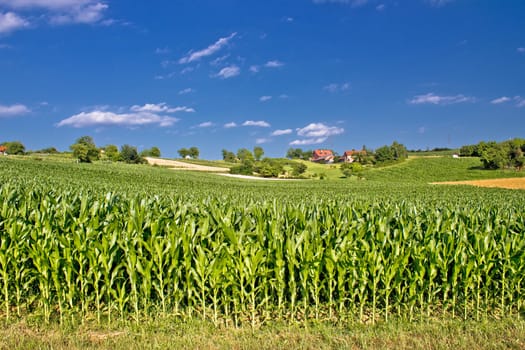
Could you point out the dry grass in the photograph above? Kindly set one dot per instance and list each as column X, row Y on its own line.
column 511, row 183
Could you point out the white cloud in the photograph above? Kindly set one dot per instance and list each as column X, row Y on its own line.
column 230, row 125
column 317, row 130
column 335, row 87
column 91, row 13
column 160, row 107
column 281, row 132
column 283, row 96
column 288, row 19
column 105, row 118
column 265, row 98
column 186, row 91
column 274, row 64
column 205, row 125
column 353, row 3
column 260, row 123
column 500, row 100
column 10, row 22
column 64, row 11
column 521, row 49
column 210, row 50
column 229, row 72
column 13, row 110
column 262, row 140
column 432, row 98
column 381, row 7
column 166, row 76
column 314, row 141
column 421, row 130
column 255, row 69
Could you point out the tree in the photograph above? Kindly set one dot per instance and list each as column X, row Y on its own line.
column 349, row 169
column 228, row 156
column 258, row 152
column 194, row 152
column 384, row 154
column 244, row 154
column 298, row 169
column 14, row 147
column 245, row 168
column 297, row 153
column 151, row 152
column 129, row 154
column 183, row 152
column 112, row 153
column 85, row 150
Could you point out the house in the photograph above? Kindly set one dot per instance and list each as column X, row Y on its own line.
column 352, row 156
column 3, row 150
column 322, row 156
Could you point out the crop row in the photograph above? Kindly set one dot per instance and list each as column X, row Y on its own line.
column 119, row 255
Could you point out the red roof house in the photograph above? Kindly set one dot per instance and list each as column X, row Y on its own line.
column 351, row 156
column 3, row 149
column 322, row 156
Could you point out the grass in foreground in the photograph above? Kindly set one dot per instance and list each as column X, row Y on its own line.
column 172, row 334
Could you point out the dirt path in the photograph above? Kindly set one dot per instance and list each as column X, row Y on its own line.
column 176, row 165
column 510, row 183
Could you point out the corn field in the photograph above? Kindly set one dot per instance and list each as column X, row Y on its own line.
column 73, row 251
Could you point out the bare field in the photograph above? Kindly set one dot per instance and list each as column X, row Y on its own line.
column 176, row 165
column 510, row 183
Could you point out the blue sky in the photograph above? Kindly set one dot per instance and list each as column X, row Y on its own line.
column 226, row 74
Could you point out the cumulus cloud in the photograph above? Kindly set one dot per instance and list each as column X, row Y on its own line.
column 230, row 125
column 64, row 11
column 265, row 98
column 9, row 22
column 432, row 98
column 274, row 64
column 148, row 114
column 304, row 142
column 335, row 87
column 160, row 107
column 500, row 100
column 210, row 50
column 106, row 118
column 229, row 72
column 13, row 110
column 319, row 130
column 281, row 132
column 259, row 123
column 316, row 133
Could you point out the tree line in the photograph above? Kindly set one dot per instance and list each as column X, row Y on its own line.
column 497, row 155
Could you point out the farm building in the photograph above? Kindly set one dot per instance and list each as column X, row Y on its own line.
column 322, row 156
column 351, row 156
column 3, row 149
